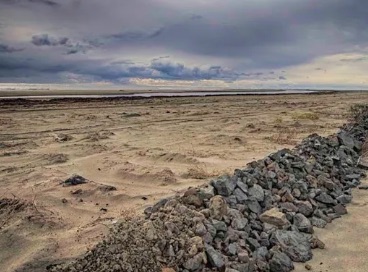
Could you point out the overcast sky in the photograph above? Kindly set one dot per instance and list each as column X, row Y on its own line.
column 185, row 44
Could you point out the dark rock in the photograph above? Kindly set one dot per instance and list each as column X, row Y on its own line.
column 243, row 186
column 206, row 192
column 194, row 200
column 318, row 222
column 289, row 207
column 257, row 192
column 224, row 185
column 194, row 263
column 243, row 256
column 232, row 248
column 74, row 180
column 302, row 223
column 352, row 176
column 294, row 244
column 340, row 209
column 239, row 223
column 106, row 188
column 325, row 198
column 315, row 242
column 363, row 163
column 345, row 139
column 254, row 206
column 281, row 262
column 214, row 257
column 344, row 199
column 253, row 244
column 219, row 225
column 241, row 197
column 159, row 205
column 305, row 207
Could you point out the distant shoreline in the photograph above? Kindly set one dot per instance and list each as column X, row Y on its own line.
column 88, row 94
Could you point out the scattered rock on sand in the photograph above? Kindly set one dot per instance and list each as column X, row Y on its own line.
column 75, row 180
column 61, row 137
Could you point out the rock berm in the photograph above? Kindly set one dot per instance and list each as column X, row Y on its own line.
column 259, row 219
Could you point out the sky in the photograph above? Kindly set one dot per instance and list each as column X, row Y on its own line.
column 190, row 44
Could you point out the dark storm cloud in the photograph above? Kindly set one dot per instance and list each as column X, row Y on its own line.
column 277, row 34
column 246, row 36
column 8, row 49
column 71, row 47
column 45, row 40
column 159, row 68
column 42, row 2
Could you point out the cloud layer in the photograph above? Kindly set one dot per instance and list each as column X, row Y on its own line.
column 239, row 43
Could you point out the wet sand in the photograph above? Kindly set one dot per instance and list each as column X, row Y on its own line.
column 147, row 149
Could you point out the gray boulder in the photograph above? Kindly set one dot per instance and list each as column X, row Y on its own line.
column 281, row 262
column 215, row 258
column 294, row 244
column 224, row 185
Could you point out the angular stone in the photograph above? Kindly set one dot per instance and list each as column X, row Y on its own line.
column 305, row 207
column 329, row 184
column 253, row 244
column 363, row 163
column 200, row 229
column 74, row 180
column 219, row 225
column 243, row 256
column 325, row 198
column 345, row 139
column 274, row 217
column 344, row 199
column 294, row 244
column 352, row 176
column 316, row 243
column 242, row 186
column 211, row 229
column 239, row 223
column 193, row 200
column 290, row 207
column 302, row 223
column 257, row 192
column 281, row 262
column 232, row 249
column 224, row 185
column 206, row 192
column 254, row 206
column 159, row 205
column 340, row 209
column 215, row 258
column 194, row 263
column 218, row 207
column 241, row 197
column 318, row 222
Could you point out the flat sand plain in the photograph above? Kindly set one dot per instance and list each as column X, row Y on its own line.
column 147, row 149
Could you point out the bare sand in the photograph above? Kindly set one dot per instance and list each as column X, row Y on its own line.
column 147, row 149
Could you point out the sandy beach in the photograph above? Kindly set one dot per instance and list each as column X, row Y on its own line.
column 135, row 152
